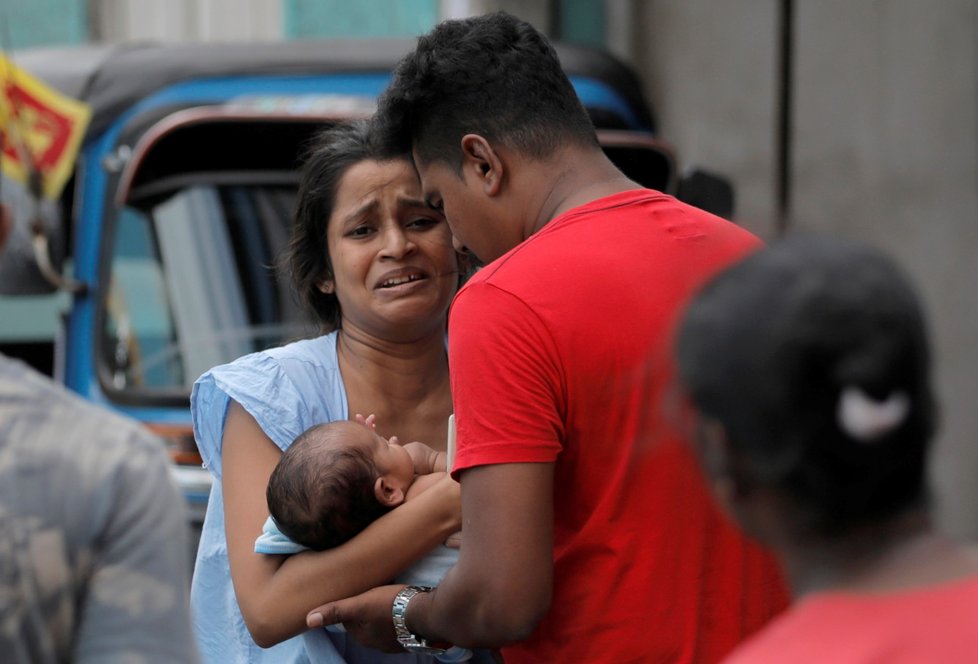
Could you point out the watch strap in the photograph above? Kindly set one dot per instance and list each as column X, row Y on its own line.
column 410, row 642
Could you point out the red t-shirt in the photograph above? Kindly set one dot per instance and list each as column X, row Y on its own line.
column 922, row 626
column 561, row 352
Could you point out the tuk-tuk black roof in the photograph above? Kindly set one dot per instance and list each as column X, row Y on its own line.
column 111, row 78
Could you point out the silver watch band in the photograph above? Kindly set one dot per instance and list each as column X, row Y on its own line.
column 410, row 642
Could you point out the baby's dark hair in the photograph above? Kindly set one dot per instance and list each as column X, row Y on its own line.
column 770, row 349
column 493, row 75
column 321, row 493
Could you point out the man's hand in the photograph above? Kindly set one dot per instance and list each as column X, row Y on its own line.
column 367, row 617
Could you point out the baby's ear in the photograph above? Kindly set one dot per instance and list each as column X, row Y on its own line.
column 387, row 493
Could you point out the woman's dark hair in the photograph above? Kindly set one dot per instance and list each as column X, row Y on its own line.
column 771, row 349
column 321, row 492
column 332, row 153
column 492, row 75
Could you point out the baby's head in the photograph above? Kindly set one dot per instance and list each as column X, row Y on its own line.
column 809, row 366
column 334, row 480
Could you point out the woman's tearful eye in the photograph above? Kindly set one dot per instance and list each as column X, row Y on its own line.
column 423, row 223
column 361, row 231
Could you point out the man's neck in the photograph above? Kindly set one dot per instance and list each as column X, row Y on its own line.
column 575, row 177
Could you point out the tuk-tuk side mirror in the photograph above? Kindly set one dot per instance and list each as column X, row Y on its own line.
column 707, row 191
column 38, row 230
column 644, row 159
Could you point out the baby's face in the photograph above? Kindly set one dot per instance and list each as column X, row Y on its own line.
column 392, row 460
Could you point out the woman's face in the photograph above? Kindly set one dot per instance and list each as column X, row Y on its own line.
column 394, row 268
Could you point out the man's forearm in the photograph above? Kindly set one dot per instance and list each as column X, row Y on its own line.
column 430, row 616
column 501, row 586
column 449, row 614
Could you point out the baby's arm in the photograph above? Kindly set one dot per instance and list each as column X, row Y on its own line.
column 426, row 460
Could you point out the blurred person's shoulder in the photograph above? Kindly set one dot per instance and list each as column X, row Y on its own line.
column 37, row 413
column 92, row 555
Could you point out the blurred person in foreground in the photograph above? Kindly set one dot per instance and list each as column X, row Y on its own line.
column 809, row 368
column 93, row 556
column 589, row 533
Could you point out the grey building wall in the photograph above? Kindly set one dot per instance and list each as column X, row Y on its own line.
column 710, row 69
column 185, row 20
column 884, row 146
column 887, row 151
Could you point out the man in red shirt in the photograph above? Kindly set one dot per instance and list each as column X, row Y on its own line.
column 588, row 532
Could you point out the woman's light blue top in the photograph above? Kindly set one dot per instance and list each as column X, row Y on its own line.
column 286, row 390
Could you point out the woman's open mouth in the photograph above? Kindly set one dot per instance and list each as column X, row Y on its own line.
column 397, row 281
column 401, row 278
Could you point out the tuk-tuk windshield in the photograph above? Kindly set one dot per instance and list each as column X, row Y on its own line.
column 193, row 284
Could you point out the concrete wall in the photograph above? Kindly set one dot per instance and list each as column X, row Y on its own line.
column 885, row 149
column 185, row 20
column 43, row 22
column 710, row 70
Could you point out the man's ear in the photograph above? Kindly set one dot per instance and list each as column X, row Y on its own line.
column 482, row 161
column 388, row 494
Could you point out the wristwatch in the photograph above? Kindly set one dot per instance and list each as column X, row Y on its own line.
column 411, row 642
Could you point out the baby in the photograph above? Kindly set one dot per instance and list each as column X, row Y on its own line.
column 336, row 478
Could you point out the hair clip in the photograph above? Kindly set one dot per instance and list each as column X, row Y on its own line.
column 866, row 419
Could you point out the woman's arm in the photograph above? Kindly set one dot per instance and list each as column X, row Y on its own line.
column 276, row 592
column 422, row 483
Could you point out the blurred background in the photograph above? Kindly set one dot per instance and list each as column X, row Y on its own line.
column 855, row 117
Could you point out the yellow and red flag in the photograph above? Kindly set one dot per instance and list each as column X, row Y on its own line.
column 40, row 128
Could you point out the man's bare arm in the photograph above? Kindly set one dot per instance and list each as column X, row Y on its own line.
column 502, row 584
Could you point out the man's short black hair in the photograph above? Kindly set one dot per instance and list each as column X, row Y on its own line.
column 492, row 75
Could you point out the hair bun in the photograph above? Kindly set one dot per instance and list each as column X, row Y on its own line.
column 866, row 419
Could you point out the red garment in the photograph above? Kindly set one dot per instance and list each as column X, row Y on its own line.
column 561, row 352
column 922, row 626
